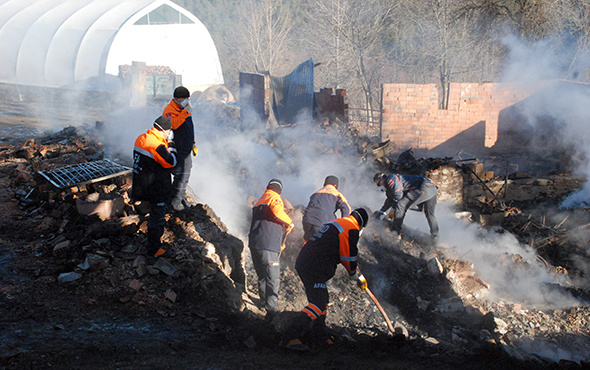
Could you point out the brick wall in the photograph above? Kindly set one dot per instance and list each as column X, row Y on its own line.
column 411, row 118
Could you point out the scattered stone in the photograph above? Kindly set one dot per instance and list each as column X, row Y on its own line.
column 61, row 248
column 170, row 295
column 135, row 285
column 69, row 277
column 163, row 265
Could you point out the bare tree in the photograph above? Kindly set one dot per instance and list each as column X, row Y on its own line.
column 438, row 38
column 349, row 35
column 265, row 33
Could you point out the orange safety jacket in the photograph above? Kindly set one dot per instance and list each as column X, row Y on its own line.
column 152, row 160
column 323, row 205
column 335, row 242
column 183, row 127
column 269, row 223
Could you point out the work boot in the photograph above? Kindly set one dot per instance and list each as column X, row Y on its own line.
column 294, row 345
column 270, row 315
column 324, row 343
column 166, row 253
column 177, row 206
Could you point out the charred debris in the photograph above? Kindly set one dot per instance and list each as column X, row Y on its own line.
column 89, row 238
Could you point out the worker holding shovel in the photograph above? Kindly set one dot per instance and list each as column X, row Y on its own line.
column 335, row 243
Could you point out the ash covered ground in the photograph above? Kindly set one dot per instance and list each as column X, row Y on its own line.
column 77, row 291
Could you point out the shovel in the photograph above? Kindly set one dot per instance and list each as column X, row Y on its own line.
column 400, row 328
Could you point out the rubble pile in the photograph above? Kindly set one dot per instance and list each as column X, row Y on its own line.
column 104, row 256
column 431, row 291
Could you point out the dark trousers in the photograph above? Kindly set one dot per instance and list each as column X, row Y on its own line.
column 268, row 269
column 156, row 222
column 313, row 316
column 309, row 230
column 426, row 197
column 182, row 173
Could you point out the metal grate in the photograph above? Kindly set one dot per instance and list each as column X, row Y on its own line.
column 84, row 173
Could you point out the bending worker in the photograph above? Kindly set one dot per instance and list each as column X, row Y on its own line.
column 335, row 242
column 404, row 192
column 180, row 113
column 152, row 160
column 322, row 207
column 270, row 225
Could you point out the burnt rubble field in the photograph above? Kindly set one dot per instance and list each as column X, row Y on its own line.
column 78, row 292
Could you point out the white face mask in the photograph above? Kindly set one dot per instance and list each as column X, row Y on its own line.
column 184, row 103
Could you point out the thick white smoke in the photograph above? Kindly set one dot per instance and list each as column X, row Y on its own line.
column 234, row 165
column 496, row 257
column 563, row 102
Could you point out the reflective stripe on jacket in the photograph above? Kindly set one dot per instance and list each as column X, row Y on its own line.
column 336, row 242
column 152, row 160
column 182, row 125
column 323, row 205
column 269, row 222
column 396, row 186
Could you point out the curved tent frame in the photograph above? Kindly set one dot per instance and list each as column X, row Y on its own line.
column 57, row 43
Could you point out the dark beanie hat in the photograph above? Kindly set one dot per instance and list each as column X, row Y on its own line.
column 331, row 180
column 181, row 92
column 361, row 216
column 276, row 185
column 163, row 123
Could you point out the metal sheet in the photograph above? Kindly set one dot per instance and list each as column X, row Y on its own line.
column 292, row 94
column 84, row 173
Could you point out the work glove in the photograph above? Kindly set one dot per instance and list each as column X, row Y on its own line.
column 171, row 144
column 360, row 279
column 195, row 150
column 189, row 109
column 361, row 282
column 379, row 215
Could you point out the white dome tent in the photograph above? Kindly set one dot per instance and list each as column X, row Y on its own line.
column 60, row 43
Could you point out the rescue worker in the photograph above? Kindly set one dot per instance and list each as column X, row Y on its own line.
column 180, row 113
column 322, row 207
column 407, row 191
column 335, row 242
column 153, row 158
column 268, row 230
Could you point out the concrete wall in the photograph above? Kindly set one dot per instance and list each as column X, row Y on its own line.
column 411, row 118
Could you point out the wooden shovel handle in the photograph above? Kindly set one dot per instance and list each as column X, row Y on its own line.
column 389, row 325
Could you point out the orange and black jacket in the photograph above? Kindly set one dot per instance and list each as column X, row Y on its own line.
column 182, row 125
column 396, row 186
column 323, row 205
column 269, row 224
column 152, row 160
column 335, row 242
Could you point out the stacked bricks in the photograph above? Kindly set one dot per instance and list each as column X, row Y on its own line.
column 449, row 180
column 411, row 118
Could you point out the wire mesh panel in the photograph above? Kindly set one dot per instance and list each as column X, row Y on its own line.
column 84, row 173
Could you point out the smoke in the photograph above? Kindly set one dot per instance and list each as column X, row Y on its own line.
column 562, row 102
column 234, row 166
column 512, row 269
